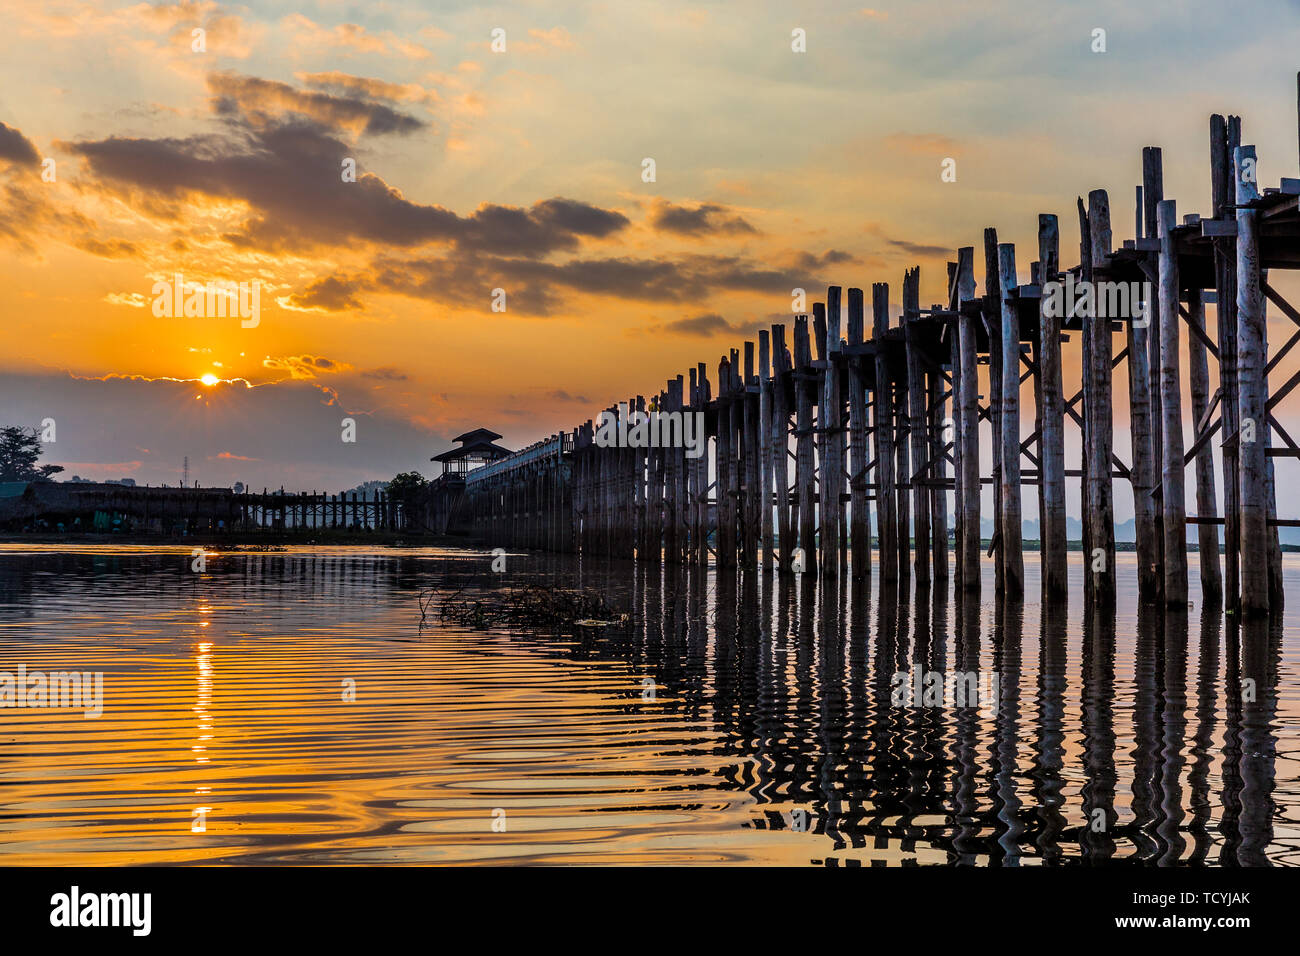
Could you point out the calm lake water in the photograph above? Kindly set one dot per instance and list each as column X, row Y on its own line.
column 728, row 722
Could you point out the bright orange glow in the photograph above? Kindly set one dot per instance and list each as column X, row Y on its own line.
column 209, row 379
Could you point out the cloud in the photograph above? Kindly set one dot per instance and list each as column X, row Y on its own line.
column 350, row 37
column 704, row 219
column 708, row 324
column 304, row 366
column 538, row 288
column 107, row 248
column 386, row 374
column 281, row 158
column 17, row 148
column 133, row 299
column 345, row 83
column 266, row 102
column 302, row 450
column 920, row 248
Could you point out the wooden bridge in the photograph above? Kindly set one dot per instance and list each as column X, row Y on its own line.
column 804, row 443
column 48, row 505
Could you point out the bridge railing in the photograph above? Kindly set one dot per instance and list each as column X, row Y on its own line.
column 554, row 447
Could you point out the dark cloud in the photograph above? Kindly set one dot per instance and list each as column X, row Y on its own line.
column 108, row 248
column 387, row 373
column 537, row 288
column 919, row 248
column 288, row 167
column 831, row 257
column 707, row 324
column 17, row 148
column 264, row 102
column 704, row 219
column 304, row 366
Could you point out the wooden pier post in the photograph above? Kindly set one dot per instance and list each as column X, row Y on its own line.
column 1142, row 474
column 860, row 529
column 1207, row 534
column 968, row 436
column 917, row 424
column 1252, row 352
column 749, row 458
column 1173, row 471
column 1153, row 193
column 903, row 469
column 1086, row 389
column 736, row 473
column 883, row 421
column 1100, row 416
column 672, row 506
column 942, row 434
column 726, row 541
column 764, row 425
column 804, row 469
column 831, row 458
column 1051, row 439
column 1011, row 532
column 1225, row 137
column 993, row 325
column 939, row 434
column 781, row 448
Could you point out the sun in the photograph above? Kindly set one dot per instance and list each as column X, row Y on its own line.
column 209, row 379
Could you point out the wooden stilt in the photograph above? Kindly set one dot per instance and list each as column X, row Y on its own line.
column 940, row 432
column 968, row 423
column 1225, row 136
column 1101, row 573
column 993, row 326
column 903, row 470
column 1173, row 472
column 1198, row 372
column 917, row 423
column 1252, row 351
column 781, row 448
column 804, row 385
column 1010, row 529
column 860, row 531
column 749, row 457
column 1052, row 429
column 1153, row 193
column 831, row 460
column 883, row 422
column 726, row 546
column 764, row 425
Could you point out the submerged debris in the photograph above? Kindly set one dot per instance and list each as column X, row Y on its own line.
column 529, row 606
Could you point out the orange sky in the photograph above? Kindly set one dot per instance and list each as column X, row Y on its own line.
column 521, row 169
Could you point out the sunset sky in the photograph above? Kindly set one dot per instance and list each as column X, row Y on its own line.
column 522, row 170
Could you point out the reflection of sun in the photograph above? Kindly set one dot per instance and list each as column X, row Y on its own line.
column 209, row 379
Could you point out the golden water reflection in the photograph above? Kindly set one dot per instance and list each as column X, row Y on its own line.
column 287, row 707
